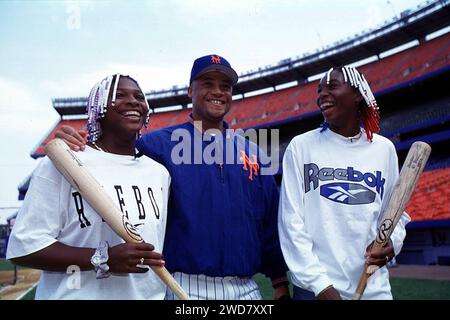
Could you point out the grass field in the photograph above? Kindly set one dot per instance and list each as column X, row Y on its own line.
column 415, row 289
column 5, row 265
column 29, row 295
column 402, row 289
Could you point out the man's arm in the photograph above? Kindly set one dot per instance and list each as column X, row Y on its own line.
column 76, row 140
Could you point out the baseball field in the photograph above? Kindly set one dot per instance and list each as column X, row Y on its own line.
column 408, row 282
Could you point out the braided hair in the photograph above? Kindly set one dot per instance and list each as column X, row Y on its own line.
column 97, row 104
column 370, row 116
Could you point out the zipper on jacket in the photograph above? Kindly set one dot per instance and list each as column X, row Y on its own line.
column 221, row 172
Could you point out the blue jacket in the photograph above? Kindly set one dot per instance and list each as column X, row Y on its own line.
column 222, row 218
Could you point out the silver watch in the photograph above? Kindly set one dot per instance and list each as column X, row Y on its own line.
column 99, row 260
column 96, row 259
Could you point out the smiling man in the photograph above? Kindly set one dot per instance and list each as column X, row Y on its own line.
column 211, row 96
column 222, row 219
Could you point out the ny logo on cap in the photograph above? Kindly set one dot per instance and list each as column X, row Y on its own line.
column 215, row 59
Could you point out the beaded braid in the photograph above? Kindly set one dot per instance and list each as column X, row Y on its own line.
column 370, row 116
column 97, row 105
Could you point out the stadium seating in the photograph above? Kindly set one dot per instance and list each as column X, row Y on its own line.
column 300, row 100
column 423, row 59
column 276, row 106
column 247, row 108
column 431, row 198
column 77, row 124
column 382, row 74
column 415, row 117
column 161, row 120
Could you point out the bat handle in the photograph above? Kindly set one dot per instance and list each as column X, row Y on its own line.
column 167, row 278
column 368, row 271
column 361, row 285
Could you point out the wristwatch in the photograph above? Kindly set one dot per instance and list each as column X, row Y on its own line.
column 99, row 260
column 96, row 259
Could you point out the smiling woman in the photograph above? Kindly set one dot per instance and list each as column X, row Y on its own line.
column 336, row 183
column 57, row 231
column 116, row 131
column 346, row 101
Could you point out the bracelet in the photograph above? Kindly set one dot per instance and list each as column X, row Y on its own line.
column 99, row 260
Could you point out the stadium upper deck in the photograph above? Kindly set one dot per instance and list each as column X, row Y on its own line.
column 286, row 105
column 412, row 25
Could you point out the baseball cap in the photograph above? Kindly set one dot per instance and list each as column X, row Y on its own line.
column 212, row 62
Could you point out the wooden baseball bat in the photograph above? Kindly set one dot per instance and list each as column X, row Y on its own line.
column 80, row 178
column 409, row 175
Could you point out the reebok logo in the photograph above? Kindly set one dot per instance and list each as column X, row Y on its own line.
column 351, row 193
column 348, row 193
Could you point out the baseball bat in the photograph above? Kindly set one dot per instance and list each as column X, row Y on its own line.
column 81, row 179
column 409, row 175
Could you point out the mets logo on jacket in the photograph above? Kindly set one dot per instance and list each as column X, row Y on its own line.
column 346, row 186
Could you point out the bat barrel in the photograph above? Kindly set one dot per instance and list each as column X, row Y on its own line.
column 413, row 166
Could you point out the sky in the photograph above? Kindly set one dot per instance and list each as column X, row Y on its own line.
column 60, row 49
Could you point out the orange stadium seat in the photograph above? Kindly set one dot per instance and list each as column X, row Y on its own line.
column 431, row 197
column 247, row 108
column 77, row 124
column 425, row 58
column 161, row 120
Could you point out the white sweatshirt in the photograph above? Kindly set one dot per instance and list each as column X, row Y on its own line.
column 332, row 196
column 53, row 211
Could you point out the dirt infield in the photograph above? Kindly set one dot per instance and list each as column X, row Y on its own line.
column 26, row 278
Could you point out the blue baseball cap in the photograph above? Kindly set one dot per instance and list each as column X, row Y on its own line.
column 213, row 62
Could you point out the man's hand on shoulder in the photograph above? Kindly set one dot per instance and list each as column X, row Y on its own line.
column 76, row 140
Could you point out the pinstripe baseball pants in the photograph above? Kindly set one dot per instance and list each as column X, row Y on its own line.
column 201, row 287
